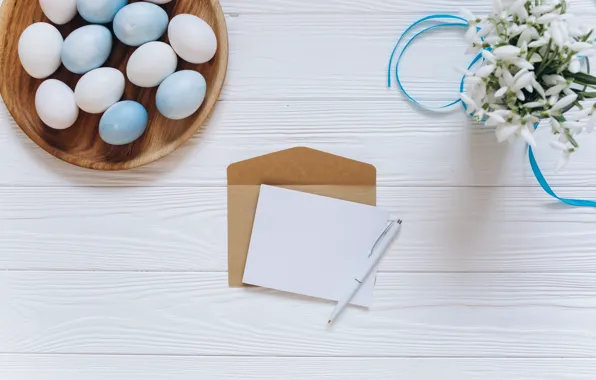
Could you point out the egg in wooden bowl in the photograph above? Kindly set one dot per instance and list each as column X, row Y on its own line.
column 81, row 143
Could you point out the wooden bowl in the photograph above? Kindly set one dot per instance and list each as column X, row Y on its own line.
column 80, row 144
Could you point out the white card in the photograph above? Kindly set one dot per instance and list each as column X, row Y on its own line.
column 312, row 245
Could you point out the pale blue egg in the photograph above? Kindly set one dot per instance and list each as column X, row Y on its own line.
column 139, row 23
column 123, row 123
column 181, row 94
column 100, row 11
column 86, row 48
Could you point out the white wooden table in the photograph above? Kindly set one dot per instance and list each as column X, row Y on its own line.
column 122, row 276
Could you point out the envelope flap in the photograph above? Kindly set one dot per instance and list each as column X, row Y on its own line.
column 302, row 166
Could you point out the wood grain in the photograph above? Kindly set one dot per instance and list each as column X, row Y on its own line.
column 398, row 8
column 184, row 229
column 114, row 367
column 81, row 145
column 413, row 315
column 408, row 148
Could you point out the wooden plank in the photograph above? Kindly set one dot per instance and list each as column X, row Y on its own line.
column 101, row 367
column 413, row 315
column 371, row 6
column 408, row 148
column 184, row 229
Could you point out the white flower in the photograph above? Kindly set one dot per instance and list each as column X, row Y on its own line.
column 553, row 99
column 485, row 71
column 471, row 104
column 489, row 56
column 566, row 101
column 502, row 91
column 522, row 82
column 535, row 58
column 527, row 135
column 555, row 124
column 580, row 46
column 507, row 51
column 538, row 104
column 538, row 87
column 472, row 19
column 505, row 132
column 557, row 34
column 538, row 43
column 542, row 9
column 555, row 90
column 559, row 146
column 574, row 66
column 547, row 18
column 523, row 64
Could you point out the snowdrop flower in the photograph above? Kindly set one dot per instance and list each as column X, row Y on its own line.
column 489, row 57
column 564, row 102
column 522, row 81
column 471, row 104
column 527, row 135
column 507, row 51
column 538, row 43
column 541, row 9
column 502, row 91
column 537, row 104
column 485, row 71
column 472, row 19
column 538, row 87
column 580, row 46
column 557, row 34
column 555, row 90
column 559, row 146
column 505, row 132
column 510, row 91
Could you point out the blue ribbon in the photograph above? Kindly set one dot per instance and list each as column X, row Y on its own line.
column 460, row 22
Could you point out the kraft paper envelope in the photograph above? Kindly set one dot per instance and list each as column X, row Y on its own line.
column 301, row 169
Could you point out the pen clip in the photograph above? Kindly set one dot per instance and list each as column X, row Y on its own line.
column 382, row 235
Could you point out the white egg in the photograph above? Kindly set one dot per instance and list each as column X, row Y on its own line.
column 39, row 49
column 55, row 104
column 192, row 38
column 99, row 89
column 159, row 1
column 150, row 64
column 59, row 11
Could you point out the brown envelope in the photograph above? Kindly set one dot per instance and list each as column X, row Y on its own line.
column 302, row 169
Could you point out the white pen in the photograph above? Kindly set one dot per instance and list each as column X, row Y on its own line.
column 377, row 251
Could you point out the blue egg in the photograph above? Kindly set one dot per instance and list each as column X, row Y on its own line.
column 181, row 94
column 139, row 23
column 123, row 123
column 86, row 48
column 99, row 11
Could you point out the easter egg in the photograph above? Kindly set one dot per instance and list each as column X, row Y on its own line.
column 100, row 11
column 159, row 1
column 181, row 94
column 192, row 38
column 39, row 49
column 151, row 63
column 123, row 123
column 59, row 11
column 55, row 104
column 87, row 48
column 138, row 23
column 97, row 90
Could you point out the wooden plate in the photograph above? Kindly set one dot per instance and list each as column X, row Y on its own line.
column 81, row 145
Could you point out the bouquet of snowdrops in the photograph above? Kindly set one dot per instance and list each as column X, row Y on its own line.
column 531, row 71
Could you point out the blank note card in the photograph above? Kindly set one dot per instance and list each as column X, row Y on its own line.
column 312, row 245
